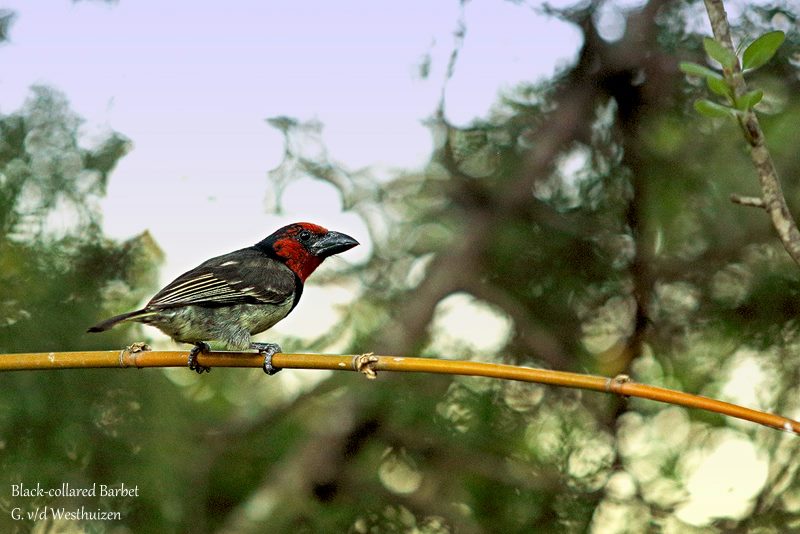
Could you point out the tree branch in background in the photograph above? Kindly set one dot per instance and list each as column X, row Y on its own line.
column 772, row 193
column 6, row 20
column 370, row 364
column 753, row 202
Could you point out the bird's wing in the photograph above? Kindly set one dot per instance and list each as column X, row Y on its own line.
column 246, row 276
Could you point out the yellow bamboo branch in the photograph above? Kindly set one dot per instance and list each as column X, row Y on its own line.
column 370, row 364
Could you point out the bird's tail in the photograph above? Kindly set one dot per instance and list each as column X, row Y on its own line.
column 108, row 323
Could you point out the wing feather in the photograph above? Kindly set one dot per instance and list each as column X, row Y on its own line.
column 246, row 276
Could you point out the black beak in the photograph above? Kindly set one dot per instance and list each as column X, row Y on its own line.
column 332, row 243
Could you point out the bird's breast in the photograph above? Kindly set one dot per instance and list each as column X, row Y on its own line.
column 256, row 318
column 231, row 324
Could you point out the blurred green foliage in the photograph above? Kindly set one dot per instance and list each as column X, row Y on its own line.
column 590, row 212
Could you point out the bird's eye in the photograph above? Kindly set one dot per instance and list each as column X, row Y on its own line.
column 305, row 235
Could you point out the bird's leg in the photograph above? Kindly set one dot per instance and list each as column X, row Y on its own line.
column 200, row 347
column 268, row 350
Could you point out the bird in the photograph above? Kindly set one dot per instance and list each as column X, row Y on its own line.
column 232, row 297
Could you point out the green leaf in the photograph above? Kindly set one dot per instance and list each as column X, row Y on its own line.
column 693, row 69
column 719, row 53
column 712, row 109
column 719, row 86
column 749, row 99
column 762, row 49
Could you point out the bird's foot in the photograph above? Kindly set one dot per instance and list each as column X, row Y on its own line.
column 268, row 350
column 199, row 348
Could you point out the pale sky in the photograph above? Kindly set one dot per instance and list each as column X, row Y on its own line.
column 190, row 83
